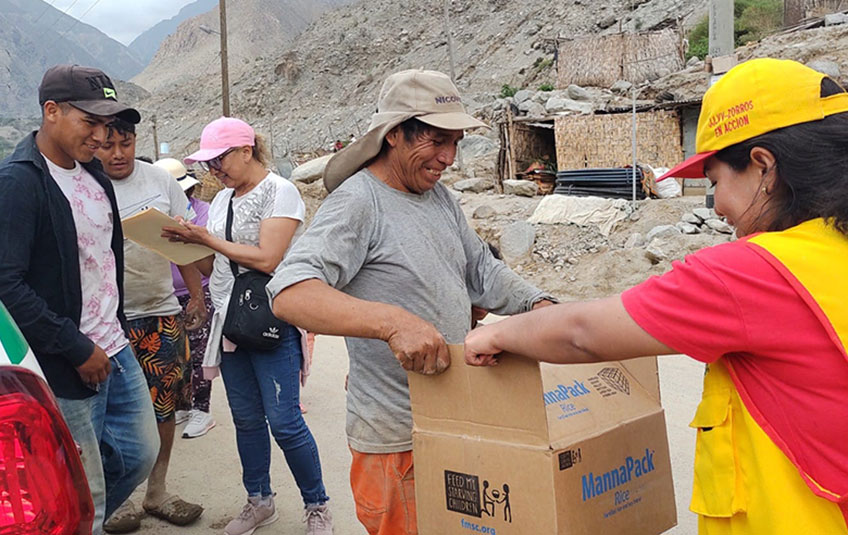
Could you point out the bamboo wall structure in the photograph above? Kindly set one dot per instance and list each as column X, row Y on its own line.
column 589, row 141
column 794, row 11
column 531, row 143
column 600, row 61
column 521, row 145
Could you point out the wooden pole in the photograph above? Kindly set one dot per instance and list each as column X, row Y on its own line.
column 155, row 138
column 225, row 71
column 452, row 68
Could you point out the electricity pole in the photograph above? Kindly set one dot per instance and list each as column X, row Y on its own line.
column 155, row 138
column 721, row 48
column 450, row 41
column 452, row 68
column 225, row 71
column 721, row 28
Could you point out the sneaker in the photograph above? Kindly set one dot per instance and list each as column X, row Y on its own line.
column 198, row 425
column 318, row 520
column 257, row 512
column 181, row 416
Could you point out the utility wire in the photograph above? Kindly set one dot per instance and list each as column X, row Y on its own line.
column 46, row 9
column 65, row 12
column 76, row 21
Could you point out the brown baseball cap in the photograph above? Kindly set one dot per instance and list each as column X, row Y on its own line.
column 429, row 96
column 85, row 88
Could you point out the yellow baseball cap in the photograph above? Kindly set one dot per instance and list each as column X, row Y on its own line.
column 753, row 98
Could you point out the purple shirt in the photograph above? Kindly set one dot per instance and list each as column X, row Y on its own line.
column 202, row 210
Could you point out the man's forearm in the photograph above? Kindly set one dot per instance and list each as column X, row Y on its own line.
column 193, row 281
column 319, row 308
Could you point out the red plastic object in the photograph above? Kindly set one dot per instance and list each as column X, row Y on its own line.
column 43, row 489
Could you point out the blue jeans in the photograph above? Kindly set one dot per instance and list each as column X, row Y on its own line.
column 116, row 431
column 263, row 388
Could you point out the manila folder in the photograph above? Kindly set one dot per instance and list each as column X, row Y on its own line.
column 145, row 228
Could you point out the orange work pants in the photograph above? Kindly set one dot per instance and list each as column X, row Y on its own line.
column 383, row 487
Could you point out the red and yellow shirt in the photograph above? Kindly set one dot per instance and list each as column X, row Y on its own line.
column 771, row 313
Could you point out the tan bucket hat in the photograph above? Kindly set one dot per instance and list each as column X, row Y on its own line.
column 429, row 96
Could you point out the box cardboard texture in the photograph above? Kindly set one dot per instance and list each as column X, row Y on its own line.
column 529, row 448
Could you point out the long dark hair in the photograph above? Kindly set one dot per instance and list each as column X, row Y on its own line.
column 811, row 168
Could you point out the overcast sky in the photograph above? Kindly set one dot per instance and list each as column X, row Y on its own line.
column 121, row 20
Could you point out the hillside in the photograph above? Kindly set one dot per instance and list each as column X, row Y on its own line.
column 189, row 57
column 307, row 93
column 147, row 43
column 35, row 36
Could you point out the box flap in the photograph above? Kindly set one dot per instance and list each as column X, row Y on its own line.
column 645, row 371
column 584, row 400
column 498, row 403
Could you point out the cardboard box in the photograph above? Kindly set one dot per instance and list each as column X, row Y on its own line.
column 529, row 448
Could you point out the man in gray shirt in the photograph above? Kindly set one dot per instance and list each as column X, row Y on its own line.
column 390, row 263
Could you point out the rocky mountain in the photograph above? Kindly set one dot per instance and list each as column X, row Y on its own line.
column 147, row 43
column 324, row 85
column 35, row 36
column 190, row 57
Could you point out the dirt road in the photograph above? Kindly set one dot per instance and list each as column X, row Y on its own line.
column 207, row 470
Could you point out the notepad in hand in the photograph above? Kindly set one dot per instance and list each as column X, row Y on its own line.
column 145, row 228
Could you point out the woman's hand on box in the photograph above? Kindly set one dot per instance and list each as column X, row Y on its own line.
column 480, row 346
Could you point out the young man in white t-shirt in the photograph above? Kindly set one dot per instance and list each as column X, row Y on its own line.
column 156, row 329
column 61, row 278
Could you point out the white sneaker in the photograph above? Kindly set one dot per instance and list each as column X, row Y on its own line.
column 181, row 416
column 257, row 513
column 199, row 424
column 318, row 520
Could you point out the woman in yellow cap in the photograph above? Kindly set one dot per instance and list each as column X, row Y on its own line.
column 768, row 313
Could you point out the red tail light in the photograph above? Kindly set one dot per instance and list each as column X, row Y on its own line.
column 43, row 489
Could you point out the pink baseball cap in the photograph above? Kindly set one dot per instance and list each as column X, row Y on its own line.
column 219, row 136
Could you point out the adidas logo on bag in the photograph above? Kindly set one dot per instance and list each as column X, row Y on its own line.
column 272, row 332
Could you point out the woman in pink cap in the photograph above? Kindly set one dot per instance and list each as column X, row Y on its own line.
column 262, row 385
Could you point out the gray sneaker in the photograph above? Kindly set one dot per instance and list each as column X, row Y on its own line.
column 318, row 520
column 256, row 513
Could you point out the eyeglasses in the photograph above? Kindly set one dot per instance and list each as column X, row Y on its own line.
column 215, row 163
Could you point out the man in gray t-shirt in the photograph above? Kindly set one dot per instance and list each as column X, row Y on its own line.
column 390, row 263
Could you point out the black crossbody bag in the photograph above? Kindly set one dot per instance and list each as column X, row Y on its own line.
column 249, row 321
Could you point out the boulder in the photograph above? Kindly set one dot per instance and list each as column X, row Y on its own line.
column 578, row 93
column 830, row 68
column 532, row 109
column 558, row 105
column 719, row 226
column 634, row 240
column 484, row 211
column 704, row 213
column 475, row 185
column 691, row 218
column 833, row 19
column 517, row 240
column 522, row 95
column 474, row 146
column 661, row 230
column 693, row 61
column 688, row 228
column 310, row 171
column 526, row 188
column 655, row 251
column 621, row 86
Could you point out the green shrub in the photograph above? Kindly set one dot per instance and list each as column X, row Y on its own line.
column 508, row 91
column 753, row 20
column 546, row 87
